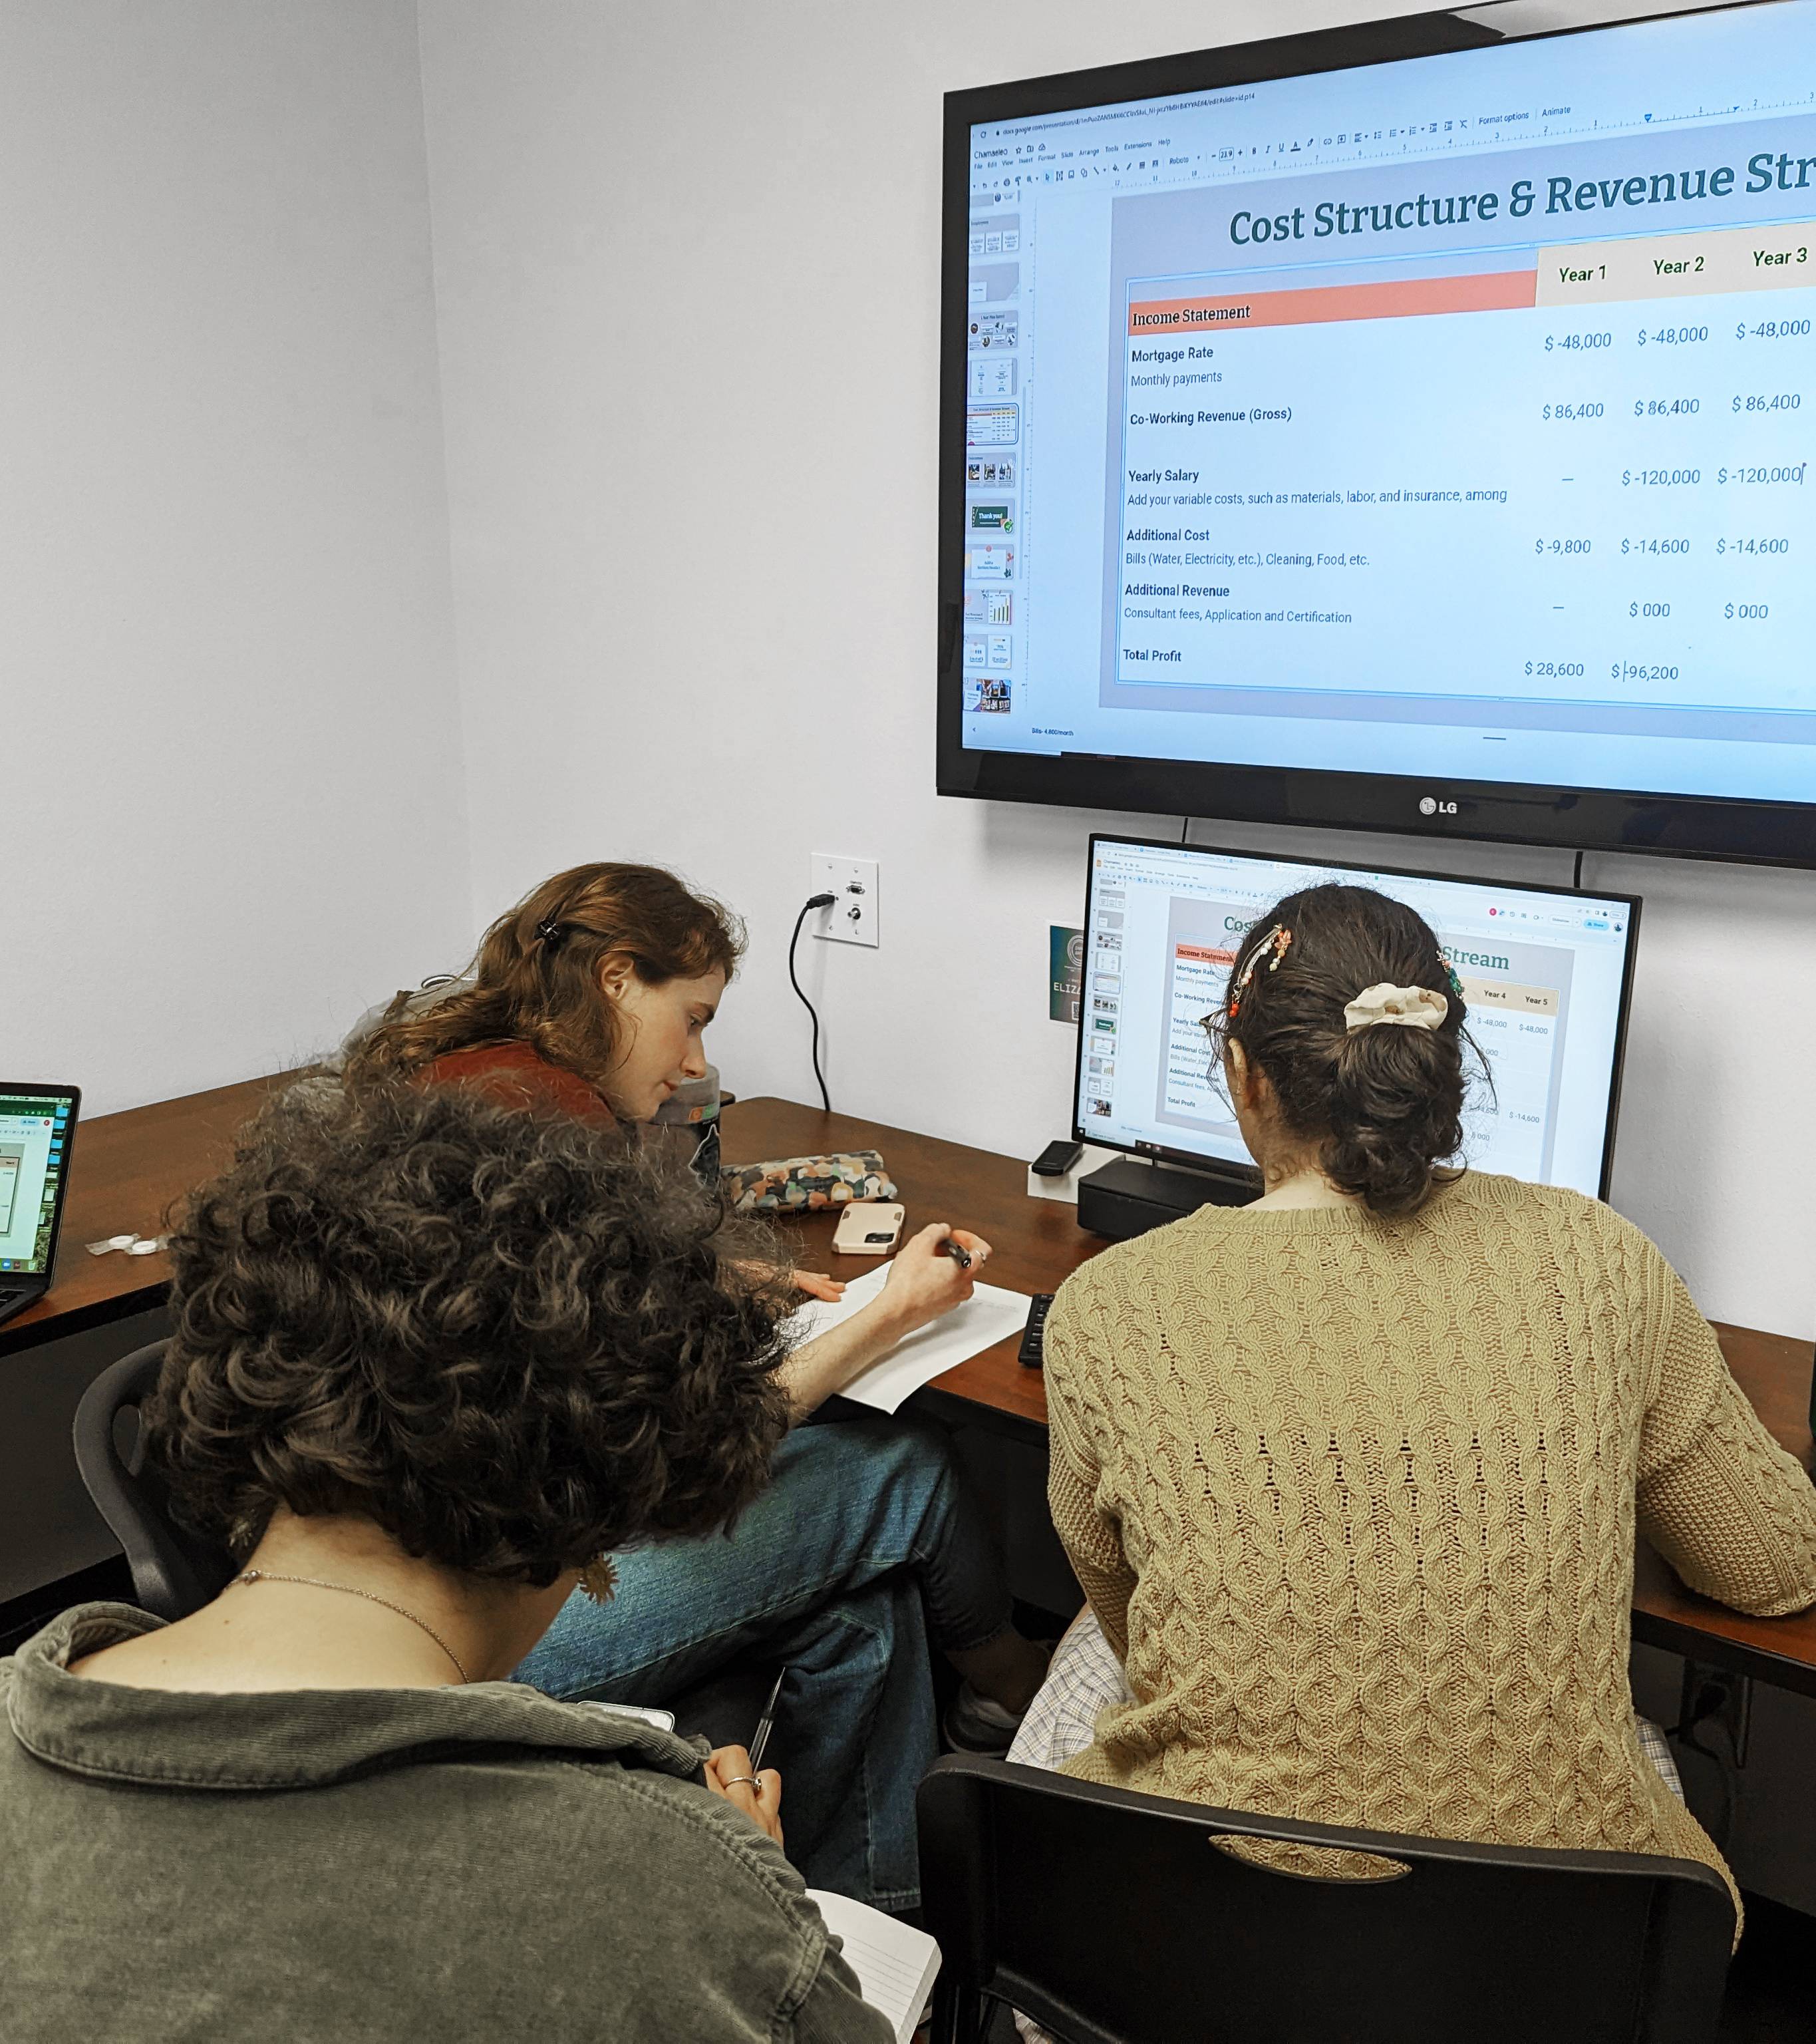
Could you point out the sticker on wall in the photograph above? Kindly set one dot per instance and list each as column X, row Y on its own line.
column 1065, row 959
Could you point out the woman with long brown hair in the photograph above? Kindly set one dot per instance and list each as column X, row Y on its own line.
column 591, row 998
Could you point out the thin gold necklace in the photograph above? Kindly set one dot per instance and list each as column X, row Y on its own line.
column 371, row 1596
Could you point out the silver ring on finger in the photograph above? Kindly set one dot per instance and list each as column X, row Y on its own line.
column 733, row 1781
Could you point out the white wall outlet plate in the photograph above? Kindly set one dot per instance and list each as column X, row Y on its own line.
column 852, row 919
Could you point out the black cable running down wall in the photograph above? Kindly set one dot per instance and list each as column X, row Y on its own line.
column 806, row 908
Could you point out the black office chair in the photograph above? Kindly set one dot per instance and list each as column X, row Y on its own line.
column 1113, row 1918
column 173, row 1571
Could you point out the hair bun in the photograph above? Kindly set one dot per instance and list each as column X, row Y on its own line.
column 1394, row 1112
column 1383, row 1105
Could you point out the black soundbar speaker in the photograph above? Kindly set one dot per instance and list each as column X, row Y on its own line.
column 1130, row 1195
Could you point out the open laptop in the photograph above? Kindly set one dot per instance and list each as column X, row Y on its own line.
column 37, row 1126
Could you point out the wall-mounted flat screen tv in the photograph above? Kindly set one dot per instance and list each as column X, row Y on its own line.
column 1404, row 427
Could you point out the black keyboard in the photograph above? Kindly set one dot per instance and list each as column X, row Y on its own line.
column 1029, row 1353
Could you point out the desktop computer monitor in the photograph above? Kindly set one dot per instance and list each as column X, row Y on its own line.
column 1546, row 973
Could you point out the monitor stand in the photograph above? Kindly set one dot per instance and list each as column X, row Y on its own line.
column 1131, row 1195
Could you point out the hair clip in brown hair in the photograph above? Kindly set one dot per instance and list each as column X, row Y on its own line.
column 548, row 930
column 1278, row 938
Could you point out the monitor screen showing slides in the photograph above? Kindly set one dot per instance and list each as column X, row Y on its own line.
column 1546, row 976
column 1449, row 416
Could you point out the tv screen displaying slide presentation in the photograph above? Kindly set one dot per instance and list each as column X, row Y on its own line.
column 1420, row 444
column 1544, row 975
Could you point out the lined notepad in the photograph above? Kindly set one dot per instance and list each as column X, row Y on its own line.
column 895, row 1964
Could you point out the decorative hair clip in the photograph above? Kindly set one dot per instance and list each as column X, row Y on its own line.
column 548, row 930
column 1279, row 938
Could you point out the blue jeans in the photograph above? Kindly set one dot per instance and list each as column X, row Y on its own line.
column 864, row 1525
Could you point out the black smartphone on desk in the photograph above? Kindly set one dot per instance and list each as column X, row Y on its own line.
column 1057, row 1159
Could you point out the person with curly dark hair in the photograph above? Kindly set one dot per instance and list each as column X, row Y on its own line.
column 591, row 998
column 1352, row 1476
column 433, row 1363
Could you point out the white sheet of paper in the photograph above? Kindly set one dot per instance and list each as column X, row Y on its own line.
column 983, row 1321
column 895, row 1964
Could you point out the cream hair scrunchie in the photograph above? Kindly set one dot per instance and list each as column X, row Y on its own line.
column 1411, row 1007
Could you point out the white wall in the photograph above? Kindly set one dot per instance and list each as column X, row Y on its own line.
column 686, row 262
column 231, row 804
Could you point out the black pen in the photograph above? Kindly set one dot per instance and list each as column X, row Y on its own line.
column 961, row 1257
column 765, row 1723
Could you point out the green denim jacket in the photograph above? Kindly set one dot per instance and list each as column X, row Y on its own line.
column 376, row 1866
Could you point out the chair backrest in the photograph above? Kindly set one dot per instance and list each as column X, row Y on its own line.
column 173, row 1571
column 1113, row 1918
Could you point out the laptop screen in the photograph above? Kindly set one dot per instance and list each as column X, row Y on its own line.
column 36, row 1127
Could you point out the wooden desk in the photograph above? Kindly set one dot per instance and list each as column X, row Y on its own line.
column 1038, row 1243
column 128, row 1170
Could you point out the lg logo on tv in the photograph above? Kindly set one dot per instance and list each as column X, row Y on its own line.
column 1429, row 805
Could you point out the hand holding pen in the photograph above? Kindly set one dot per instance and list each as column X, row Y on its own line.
column 933, row 1272
column 740, row 1776
column 729, row 1773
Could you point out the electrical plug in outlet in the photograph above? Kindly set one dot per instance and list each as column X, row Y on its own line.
column 852, row 918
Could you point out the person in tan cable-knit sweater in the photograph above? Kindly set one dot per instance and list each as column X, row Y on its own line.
column 1351, row 1476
